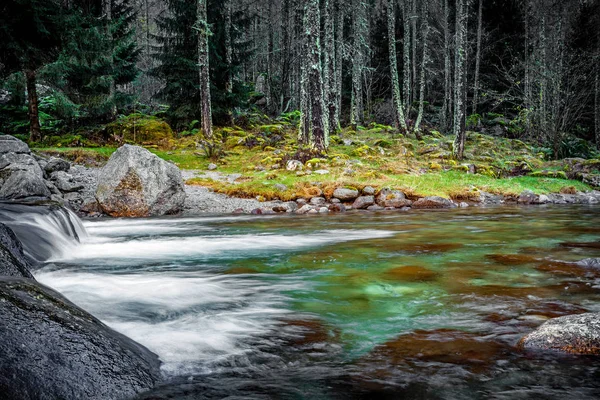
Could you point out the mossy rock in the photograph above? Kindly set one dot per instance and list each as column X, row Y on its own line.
column 140, row 128
column 386, row 144
column 549, row 174
column 435, row 166
column 362, row 151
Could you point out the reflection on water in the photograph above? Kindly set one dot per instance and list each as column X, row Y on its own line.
column 417, row 305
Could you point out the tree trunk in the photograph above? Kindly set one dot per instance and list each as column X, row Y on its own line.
column 35, row 131
column 107, row 9
column 424, row 62
column 229, row 56
column 304, row 135
column 285, row 56
column 447, row 104
column 203, row 68
column 597, row 106
column 477, row 58
column 339, row 63
column 357, row 112
column 413, row 46
column 406, row 68
column 330, row 67
column 460, row 79
column 270, row 49
column 399, row 116
column 320, row 136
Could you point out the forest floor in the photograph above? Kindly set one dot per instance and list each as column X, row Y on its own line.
column 257, row 164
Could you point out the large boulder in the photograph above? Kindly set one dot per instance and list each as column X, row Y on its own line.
column 20, row 174
column 136, row 183
column 12, row 258
column 10, row 144
column 51, row 349
column 345, row 194
column 573, row 334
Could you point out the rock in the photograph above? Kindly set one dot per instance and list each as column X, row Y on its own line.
column 290, row 206
column 318, row 201
column 348, row 142
column 433, row 202
column 212, row 166
column 294, row 165
column 10, row 144
column 363, row 202
column 368, row 191
column 386, row 195
column 313, row 211
column 527, row 197
column 590, row 263
column 64, row 182
column 301, row 201
column 543, row 199
column 345, row 194
column 256, row 211
column 335, row 201
column 51, row 349
column 304, row 209
column 323, row 210
column 280, row 187
column 21, row 185
column 12, row 258
column 337, row 207
column 233, row 177
column 489, row 198
column 321, row 172
column 136, row 183
column 56, row 164
column 397, row 203
column 375, row 207
column 574, row 334
column 462, row 204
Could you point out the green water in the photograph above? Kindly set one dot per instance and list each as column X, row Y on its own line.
column 422, row 304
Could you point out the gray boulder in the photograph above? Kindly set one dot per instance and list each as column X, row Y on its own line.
column 345, row 194
column 12, row 258
column 573, row 334
column 21, row 177
column 51, row 349
column 593, row 263
column 65, row 182
column 10, row 144
column 136, row 183
column 56, row 164
column 363, row 202
column 392, row 198
column 433, row 202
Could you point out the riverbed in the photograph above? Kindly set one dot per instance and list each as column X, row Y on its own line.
column 412, row 305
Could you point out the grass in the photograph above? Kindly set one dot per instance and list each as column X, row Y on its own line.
column 375, row 157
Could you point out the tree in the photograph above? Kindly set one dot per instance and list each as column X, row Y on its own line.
column 399, row 117
column 203, row 30
column 31, row 32
column 358, row 63
column 424, row 61
column 319, row 138
column 460, row 77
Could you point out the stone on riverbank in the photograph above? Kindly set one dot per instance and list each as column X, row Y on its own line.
column 573, row 334
column 51, row 349
column 12, row 258
column 345, row 194
column 136, row 183
column 433, row 202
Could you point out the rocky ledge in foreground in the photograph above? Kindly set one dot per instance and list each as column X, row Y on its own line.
column 12, row 259
column 51, row 349
column 572, row 334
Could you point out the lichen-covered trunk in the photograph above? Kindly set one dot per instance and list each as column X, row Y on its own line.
column 447, row 103
column 329, row 69
column 460, row 80
column 399, row 116
column 304, row 132
column 406, row 68
column 423, row 71
column 312, row 19
column 229, row 54
column 35, row 131
column 597, row 107
column 339, row 62
column 477, row 57
column 107, row 10
column 204, row 68
column 357, row 112
column 285, row 57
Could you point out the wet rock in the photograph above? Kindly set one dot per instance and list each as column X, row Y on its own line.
column 304, row 209
column 375, row 207
column 489, row 198
column 294, row 165
column 368, row 191
column 318, row 201
column 337, row 207
column 313, row 211
column 528, row 197
column 51, row 349
column 363, row 202
column 573, row 334
column 411, row 274
column 397, row 203
column 590, row 263
column 136, row 183
column 462, row 204
column 257, row 211
column 21, row 185
column 323, row 210
column 345, row 194
column 12, row 258
column 433, row 202
column 10, row 144
column 56, row 164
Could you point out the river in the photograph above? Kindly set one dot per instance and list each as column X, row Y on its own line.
column 417, row 305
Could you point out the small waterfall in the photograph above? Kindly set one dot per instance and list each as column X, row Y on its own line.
column 46, row 231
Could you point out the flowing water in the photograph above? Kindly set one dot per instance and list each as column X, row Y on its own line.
column 419, row 305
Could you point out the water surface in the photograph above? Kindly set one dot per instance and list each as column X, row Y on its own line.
column 416, row 305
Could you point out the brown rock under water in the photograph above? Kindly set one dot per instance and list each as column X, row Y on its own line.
column 411, row 273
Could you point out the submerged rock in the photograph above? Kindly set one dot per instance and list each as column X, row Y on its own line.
column 51, row 349
column 12, row 258
column 136, row 183
column 573, row 334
